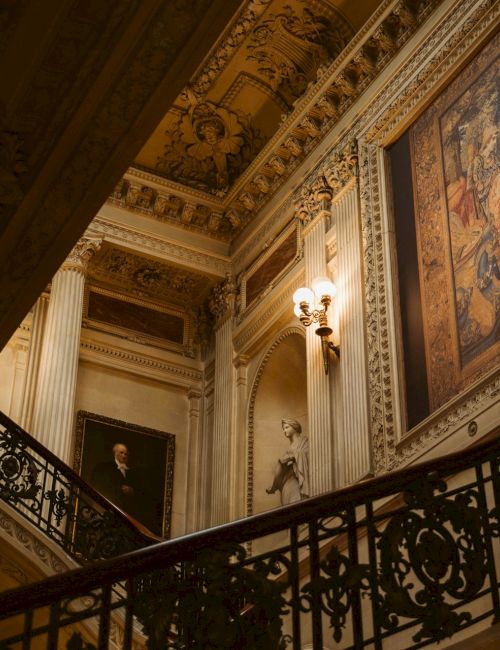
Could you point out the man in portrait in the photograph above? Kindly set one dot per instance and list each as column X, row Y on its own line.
column 117, row 481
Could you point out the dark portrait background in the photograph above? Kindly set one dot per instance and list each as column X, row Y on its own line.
column 151, row 456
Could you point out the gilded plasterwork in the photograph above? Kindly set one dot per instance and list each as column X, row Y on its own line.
column 208, row 146
column 290, row 46
column 456, row 161
column 144, row 277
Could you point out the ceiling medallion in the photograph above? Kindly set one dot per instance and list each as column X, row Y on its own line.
column 209, row 146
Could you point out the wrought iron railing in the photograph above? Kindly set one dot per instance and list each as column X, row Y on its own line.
column 400, row 561
column 50, row 495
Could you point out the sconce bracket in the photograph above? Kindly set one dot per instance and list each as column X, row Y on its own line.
column 335, row 348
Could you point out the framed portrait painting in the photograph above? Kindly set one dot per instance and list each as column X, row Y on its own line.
column 131, row 465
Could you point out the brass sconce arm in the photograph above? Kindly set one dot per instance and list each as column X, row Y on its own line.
column 303, row 299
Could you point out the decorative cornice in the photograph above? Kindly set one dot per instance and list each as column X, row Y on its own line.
column 415, row 80
column 336, row 89
column 175, row 252
column 173, row 207
column 162, row 370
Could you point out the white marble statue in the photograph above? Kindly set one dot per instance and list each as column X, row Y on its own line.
column 291, row 476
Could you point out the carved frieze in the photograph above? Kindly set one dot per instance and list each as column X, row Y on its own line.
column 168, row 207
column 144, row 277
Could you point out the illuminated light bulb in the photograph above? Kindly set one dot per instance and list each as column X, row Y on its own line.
column 303, row 295
column 298, row 311
column 323, row 287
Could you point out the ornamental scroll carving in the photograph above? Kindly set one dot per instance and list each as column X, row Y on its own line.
column 316, row 196
column 290, row 47
column 82, row 253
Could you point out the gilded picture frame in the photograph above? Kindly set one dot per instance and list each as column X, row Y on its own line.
column 455, row 151
column 151, row 463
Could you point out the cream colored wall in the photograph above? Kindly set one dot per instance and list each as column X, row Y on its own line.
column 7, row 373
column 281, row 393
column 139, row 400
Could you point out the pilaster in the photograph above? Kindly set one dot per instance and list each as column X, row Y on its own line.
column 342, row 175
column 193, row 474
column 314, row 213
column 222, row 305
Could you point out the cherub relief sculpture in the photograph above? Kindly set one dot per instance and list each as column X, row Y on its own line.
column 209, row 146
column 291, row 475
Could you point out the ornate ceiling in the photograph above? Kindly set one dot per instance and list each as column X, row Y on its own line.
column 226, row 119
column 144, row 277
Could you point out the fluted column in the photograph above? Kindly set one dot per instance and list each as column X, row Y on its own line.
column 239, row 460
column 193, row 475
column 33, row 365
column 222, row 306
column 353, row 367
column 321, row 435
column 54, row 401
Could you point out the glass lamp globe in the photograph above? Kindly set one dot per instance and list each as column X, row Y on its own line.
column 323, row 287
column 297, row 310
column 303, row 295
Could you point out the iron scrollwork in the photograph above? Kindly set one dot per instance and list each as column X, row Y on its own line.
column 18, row 471
column 212, row 603
column 338, row 580
column 433, row 550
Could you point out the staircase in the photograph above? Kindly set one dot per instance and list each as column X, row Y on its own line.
column 50, row 495
column 405, row 560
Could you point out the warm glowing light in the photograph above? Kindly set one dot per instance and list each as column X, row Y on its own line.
column 323, row 287
column 303, row 295
column 298, row 311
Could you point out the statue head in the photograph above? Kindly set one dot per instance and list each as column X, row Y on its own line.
column 291, row 422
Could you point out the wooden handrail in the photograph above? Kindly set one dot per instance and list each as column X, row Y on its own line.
column 76, row 480
column 80, row 581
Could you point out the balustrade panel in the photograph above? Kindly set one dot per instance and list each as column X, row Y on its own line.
column 398, row 562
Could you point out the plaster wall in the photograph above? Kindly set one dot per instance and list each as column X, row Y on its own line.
column 138, row 400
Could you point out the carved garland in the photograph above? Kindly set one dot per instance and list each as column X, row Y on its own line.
column 251, row 408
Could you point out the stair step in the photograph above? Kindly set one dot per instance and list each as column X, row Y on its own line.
column 488, row 639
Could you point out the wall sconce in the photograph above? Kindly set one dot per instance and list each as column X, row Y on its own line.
column 311, row 307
